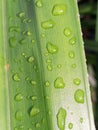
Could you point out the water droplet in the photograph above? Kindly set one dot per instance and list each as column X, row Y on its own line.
column 19, row 97
column 14, row 28
column 59, row 66
column 61, row 117
column 47, row 83
column 59, row 83
column 59, row 9
column 37, row 125
column 33, row 41
column 79, row 96
column 51, row 48
column 49, row 67
column 67, row 32
column 12, row 41
column 74, row 66
column 48, row 61
column 33, row 98
column 30, row 129
column 21, row 14
column 23, row 41
column 34, row 111
column 77, row 81
column 70, row 125
column 30, row 59
column 48, row 24
column 81, row 119
column 24, row 20
column 16, row 77
column 39, row 3
column 71, row 54
column 19, row 115
column 72, row 41
column 43, row 35
column 28, row 33
column 29, row 20
column 33, row 82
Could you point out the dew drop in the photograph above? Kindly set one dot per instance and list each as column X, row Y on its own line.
column 71, row 54
column 59, row 9
column 51, row 48
column 16, row 77
column 59, row 66
column 33, row 41
column 23, row 41
column 33, row 98
column 48, row 61
column 28, row 33
column 74, row 66
column 47, row 83
column 70, row 125
column 72, row 41
column 43, row 35
column 19, row 115
column 33, row 82
column 37, row 125
column 79, row 96
column 49, row 67
column 61, row 117
column 77, row 81
column 21, row 14
column 67, row 32
column 12, row 41
column 48, row 24
column 39, row 3
column 29, row 20
column 34, row 111
column 59, row 83
column 19, row 97
column 14, row 28
column 30, row 59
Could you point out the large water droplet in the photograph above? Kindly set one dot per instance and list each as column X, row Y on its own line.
column 67, row 32
column 77, row 81
column 59, row 83
column 59, row 9
column 71, row 54
column 34, row 111
column 19, row 115
column 72, row 41
column 70, row 125
column 51, row 48
column 16, row 77
column 61, row 117
column 14, row 28
column 79, row 96
column 30, row 59
column 19, row 97
column 39, row 3
column 48, row 24
column 12, row 41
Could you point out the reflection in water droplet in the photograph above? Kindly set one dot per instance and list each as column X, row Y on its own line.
column 61, row 117
column 34, row 111
column 59, row 83
column 39, row 3
column 48, row 24
column 72, row 41
column 19, row 97
column 59, row 9
column 67, row 32
column 71, row 54
column 70, row 125
column 77, row 81
column 19, row 115
column 51, row 48
column 79, row 96
column 16, row 77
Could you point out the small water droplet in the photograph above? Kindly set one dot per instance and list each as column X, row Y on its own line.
column 59, row 66
column 49, row 67
column 48, row 24
column 79, row 96
column 59, row 83
column 43, row 35
column 23, row 41
column 31, row 59
column 74, row 66
column 34, row 111
column 12, row 41
column 51, row 48
column 21, row 14
column 19, row 97
column 24, row 20
column 48, row 61
column 70, row 125
column 19, row 115
column 72, row 41
column 14, row 28
column 33, row 98
column 16, row 77
column 33, row 82
column 67, row 32
column 37, row 125
column 71, row 54
column 39, row 3
column 33, row 41
column 61, row 117
column 28, row 33
column 29, row 20
column 77, row 81
column 47, row 83
column 59, row 9
column 81, row 119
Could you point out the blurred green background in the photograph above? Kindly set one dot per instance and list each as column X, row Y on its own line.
column 89, row 22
